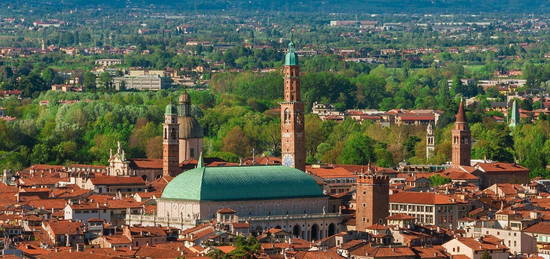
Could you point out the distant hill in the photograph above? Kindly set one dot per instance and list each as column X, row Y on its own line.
column 409, row 6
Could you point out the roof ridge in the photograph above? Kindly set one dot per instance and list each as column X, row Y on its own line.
column 201, row 181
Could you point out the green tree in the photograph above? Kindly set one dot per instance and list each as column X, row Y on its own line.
column 437, row 180
column 358, row 150
column 89, row 81
column 246, row 248
column 105, row 80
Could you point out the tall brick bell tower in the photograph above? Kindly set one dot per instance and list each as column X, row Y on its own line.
column 292, row 115
column 371, row 201
column 170, row 142
column 461, row 139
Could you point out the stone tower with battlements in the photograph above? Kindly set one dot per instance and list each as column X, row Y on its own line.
column 292, row 115
column 371, row 201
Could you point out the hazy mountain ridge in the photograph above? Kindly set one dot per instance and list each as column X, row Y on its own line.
column 520, row 6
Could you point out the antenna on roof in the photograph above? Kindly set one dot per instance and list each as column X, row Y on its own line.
column 200, row 162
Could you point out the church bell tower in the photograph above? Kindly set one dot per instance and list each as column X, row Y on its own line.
column 170, row 146
column 430, row 142
column 292, row 115
column 461, row 139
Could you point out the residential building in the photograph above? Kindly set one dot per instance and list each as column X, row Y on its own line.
column 429, row 208
column 474, row 249
column 107, row 62
column 144, row 82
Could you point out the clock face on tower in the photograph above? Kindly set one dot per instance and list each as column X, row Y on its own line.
column 288, row 160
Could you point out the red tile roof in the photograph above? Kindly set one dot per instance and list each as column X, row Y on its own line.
column 330, row 172
column 377, row 227
column 480, row 246
column 65, row 227
column 383, row 252
column 117, row 180
column 118, row 239
column 317, row 255
column 501, row 167
column 48, row 204
column 539, row 228
column 458, row 174
column 226, row 249
column 146, row 163
column 422, row 198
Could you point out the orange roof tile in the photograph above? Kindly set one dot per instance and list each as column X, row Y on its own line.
column 146, row 163
column 226, row 249
column 116, row 180
column 540, row 228
column 479, row 246
column 497, row 167
column 422, row 198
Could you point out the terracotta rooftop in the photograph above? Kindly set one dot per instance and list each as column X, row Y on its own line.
column 226, row 249
column 383, row 251
column 317, row 255
column 65, row 227
column 146, row 163
column 422, row 198
column 479, row 246
column 118, row 239
column 116, row 180
column 48, row 204
column 330, row 172
column 226, row 211
column 454, row 173
column 497, row 167
column 377, row 227
column 539, row 228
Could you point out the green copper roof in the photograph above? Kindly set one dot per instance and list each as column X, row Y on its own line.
column 514, row 118
column 291, row 59
column 170, row 110
column 241, row 183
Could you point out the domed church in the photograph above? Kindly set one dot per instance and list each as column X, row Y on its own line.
column 190, row 131
column 263, row 196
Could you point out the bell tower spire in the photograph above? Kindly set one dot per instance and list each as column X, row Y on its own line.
column 461, row 139
column 292, row 114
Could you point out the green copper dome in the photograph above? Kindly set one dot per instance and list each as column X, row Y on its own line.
column 171, row 110
column 291, row 58
column 242, row 183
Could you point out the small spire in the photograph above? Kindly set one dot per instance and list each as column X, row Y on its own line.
column 291, row 47
column 200, row 162
column 514, row 117
column 460, row 115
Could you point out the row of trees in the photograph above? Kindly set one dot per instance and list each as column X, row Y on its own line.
column 236, row 128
